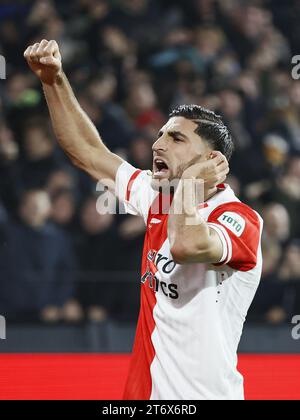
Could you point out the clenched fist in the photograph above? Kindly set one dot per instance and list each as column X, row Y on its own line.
column 212, row 171
column 44, row 59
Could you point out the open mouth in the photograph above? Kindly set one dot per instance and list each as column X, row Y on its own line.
column 159, row 167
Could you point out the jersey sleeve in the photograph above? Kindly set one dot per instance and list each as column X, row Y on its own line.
column 239, row 228
column 133, row 188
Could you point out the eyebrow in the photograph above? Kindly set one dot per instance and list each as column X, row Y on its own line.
column 173, row 134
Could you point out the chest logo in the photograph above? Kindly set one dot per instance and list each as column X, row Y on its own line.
column 154, row 278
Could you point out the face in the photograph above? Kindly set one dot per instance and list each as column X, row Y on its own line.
column 35, row 208
column 91, row 221
column 37, row 144
column 177, row 145
column 63, row 208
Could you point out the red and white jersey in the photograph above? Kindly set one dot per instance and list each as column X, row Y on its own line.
column 192, row 315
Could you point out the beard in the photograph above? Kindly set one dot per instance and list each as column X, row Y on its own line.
column 165, row 185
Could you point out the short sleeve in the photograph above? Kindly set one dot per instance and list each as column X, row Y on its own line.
column 239, row 228
column 133, row 188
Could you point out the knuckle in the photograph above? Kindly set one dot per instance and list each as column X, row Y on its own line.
column 34, row 50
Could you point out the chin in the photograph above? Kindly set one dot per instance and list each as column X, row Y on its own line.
column 159, row 180
column 160, row 176
column 164, row 183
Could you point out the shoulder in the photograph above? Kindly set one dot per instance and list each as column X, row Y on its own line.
column 236, row 216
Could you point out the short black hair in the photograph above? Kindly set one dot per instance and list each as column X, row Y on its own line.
column 210, row 127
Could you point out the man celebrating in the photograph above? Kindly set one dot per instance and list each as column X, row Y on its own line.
column 198, row 279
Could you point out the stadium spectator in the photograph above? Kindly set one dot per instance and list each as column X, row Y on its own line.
column 37, row 263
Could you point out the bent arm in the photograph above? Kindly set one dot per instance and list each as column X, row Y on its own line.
column 191, row 238
column 76, row 133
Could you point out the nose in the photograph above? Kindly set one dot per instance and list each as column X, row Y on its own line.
column 160, row 145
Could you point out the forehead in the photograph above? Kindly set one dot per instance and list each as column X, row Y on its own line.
column 181, row 124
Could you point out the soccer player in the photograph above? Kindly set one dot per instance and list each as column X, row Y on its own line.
column 200, row 267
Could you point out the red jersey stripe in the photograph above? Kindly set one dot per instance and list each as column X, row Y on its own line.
column 139, row 382
column 130, row 183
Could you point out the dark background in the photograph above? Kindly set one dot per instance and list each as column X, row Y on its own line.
column 130, row 62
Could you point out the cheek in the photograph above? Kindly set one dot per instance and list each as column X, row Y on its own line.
column 177, row 162
column 183, row 157
column 178, row 166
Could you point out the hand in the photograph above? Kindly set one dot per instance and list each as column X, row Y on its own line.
column 212, row 171
column 44, row 59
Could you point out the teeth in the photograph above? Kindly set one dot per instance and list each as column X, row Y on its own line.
column 161, row 166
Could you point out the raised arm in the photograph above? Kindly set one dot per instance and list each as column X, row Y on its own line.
column 75, row 132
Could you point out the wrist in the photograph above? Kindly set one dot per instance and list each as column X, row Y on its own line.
column 54, row 82
column 59, row 78
column 186, row 195
column 188, row 174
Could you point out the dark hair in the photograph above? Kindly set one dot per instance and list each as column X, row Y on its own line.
column 210, row 127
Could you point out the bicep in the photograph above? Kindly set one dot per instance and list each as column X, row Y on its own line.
column 106, row 167
column 99, row 163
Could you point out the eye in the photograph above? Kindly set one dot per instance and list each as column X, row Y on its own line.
column 177, row 140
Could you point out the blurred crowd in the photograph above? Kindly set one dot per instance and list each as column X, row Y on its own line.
column 130, row 62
